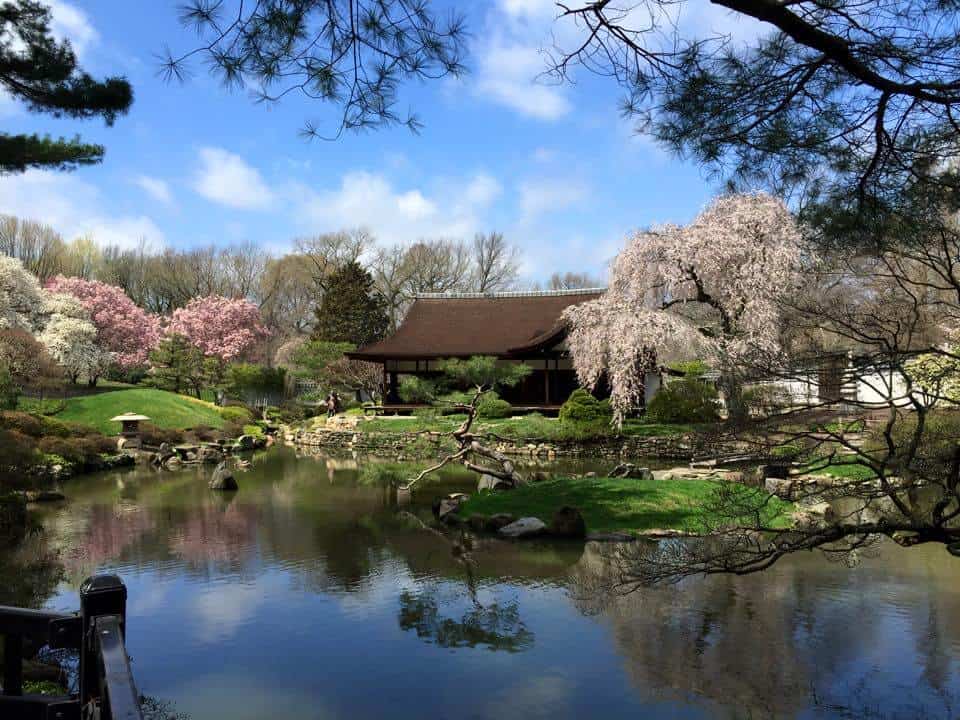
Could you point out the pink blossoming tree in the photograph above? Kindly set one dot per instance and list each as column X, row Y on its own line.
column 123, row 329
column 219, row 326
column 709, row 290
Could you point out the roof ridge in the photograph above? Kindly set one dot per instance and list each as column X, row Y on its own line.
column 506, row 294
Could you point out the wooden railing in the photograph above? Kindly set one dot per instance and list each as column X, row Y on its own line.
column 106, row 687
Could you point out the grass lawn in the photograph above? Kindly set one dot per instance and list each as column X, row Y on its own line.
column 610, row 504
column 165, row 409
column 850, row 471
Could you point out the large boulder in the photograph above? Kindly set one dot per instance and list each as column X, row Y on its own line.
column 447, row 506
column 629, row 470
column 781, row 487
column 489, row 482
column 246, row 442
column 568, row 522
column 497, row 521
column 223, row 479
column 523, row 528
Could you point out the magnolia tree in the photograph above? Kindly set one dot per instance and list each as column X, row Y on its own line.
column 123, row 329
column 21, row 297
column 219, row 326
column 709, row 290
column 71, row 338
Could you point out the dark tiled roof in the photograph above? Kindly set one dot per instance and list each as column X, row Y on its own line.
column 464, row 325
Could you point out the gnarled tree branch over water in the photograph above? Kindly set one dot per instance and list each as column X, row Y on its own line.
column 483, row 374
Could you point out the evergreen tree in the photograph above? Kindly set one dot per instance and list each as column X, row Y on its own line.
column 43, row 73
column 351, row 311
column 176, row 365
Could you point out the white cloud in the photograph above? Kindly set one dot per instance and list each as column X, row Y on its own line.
column 72, row 207
column 70, row 23
column 509, row 73
column 393, row 214
column 156, row 188
column 539, row 197
column 482, row 191
column 227, row 179
column 511, row 61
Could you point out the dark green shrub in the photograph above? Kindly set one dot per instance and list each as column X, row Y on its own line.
column 686, row 400
column 205, row 433
column 21, row 422
column 584, row 409
column 17, row 454
column 76, row 450
column 236, row 414
column 415, row 389
column 244, row 379
column 9, row 392
column 763, row 400
column 233, row 429
column 155, row 436
column 58, row 428
column 491, row 406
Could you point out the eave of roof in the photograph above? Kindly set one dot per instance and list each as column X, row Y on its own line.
column 462, row 325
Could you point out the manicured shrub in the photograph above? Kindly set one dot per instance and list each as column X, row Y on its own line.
column 205, row 433
column 78, row 450
column 254, row 430
column 17, row 453
column 233, row 429
column 584, row 409
column 58, row 428
column 491, row 406
column 155, row 436
column 236, row 414
column 21, row 422
column 685, row 400
column 415, row 389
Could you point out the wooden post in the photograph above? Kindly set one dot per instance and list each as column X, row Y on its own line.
column 100, row 595
column 13, row 664
column 546, row 382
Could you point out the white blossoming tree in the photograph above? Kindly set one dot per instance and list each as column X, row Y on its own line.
column 71, row 338
column 709, row 290
column 21, row 297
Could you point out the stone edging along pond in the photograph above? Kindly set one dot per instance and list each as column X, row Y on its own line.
column 421, row 444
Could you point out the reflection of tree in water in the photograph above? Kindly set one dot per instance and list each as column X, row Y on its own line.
column 495, row 626
column 800, row 636
column 29, row 572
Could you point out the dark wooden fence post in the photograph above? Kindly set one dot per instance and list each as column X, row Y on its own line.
column 12, row 664
column 99, row 595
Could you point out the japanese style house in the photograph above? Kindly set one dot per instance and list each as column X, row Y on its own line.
column 514, row 327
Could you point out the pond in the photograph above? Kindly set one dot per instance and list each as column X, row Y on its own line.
column 311, row 595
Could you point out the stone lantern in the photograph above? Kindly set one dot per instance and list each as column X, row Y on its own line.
column 129, row 430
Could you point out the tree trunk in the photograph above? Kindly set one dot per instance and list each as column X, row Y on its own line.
column 731, row 385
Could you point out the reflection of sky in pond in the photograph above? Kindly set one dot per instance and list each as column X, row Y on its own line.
column 299, row 597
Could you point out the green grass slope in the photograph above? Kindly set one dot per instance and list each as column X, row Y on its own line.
column 612, row 504
column 165, row 409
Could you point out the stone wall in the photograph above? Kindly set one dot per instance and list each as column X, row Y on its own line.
column 433, row 444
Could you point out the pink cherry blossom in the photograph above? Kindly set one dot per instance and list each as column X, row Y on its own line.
column 710, row 290
column 123, row 329
column 219, row 326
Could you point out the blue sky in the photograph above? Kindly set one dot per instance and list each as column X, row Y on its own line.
column 553, row 167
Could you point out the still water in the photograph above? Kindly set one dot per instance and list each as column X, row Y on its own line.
column 311, row 595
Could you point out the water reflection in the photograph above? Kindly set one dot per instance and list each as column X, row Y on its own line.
column 310, row 594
